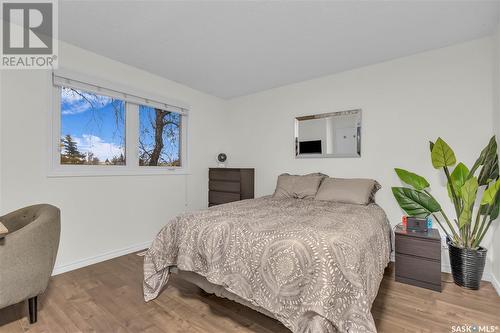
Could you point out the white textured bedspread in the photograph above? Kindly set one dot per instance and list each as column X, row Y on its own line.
column 315, row 265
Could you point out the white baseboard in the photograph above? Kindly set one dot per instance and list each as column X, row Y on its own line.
column 495, row 284
column 99, row 258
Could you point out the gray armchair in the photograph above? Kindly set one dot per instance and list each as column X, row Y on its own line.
column 27, row 254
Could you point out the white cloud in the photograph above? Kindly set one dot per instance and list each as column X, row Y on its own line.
column 76, row 108
column 101, row 149
column 80, row 102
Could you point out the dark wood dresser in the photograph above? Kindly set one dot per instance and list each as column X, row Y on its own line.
column 229, row 184
column 418, row 258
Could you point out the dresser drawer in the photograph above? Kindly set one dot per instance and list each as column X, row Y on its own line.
column 418, row 247
column 215, row 197
column 419, row 269
column 224, row 186
column 228, row 175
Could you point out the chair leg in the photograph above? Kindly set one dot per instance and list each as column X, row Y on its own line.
column 32, row 307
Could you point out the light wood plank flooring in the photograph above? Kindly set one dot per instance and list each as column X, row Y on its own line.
column 107, row 297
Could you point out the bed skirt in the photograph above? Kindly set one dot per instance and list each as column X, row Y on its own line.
column 215, row 289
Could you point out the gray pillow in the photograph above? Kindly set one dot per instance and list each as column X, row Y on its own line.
column 354, row 191
column 298, row 187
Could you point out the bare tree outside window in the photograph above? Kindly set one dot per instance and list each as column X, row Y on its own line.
column 159, row 137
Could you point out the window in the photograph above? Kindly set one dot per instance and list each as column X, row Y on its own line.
column 92, row 128
column 102, row 129
column 159, row 137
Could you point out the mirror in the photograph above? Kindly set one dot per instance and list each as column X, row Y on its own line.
column 334, row 134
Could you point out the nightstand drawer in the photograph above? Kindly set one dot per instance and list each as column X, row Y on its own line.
column 419, row 269
column 418, row 247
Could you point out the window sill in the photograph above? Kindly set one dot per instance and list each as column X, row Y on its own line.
column 113, row 171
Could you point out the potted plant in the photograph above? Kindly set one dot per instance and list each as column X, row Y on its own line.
column 465, row 232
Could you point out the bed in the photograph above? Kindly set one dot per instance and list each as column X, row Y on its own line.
column 315, row 266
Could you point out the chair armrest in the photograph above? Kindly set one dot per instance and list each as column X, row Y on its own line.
column 18, row 219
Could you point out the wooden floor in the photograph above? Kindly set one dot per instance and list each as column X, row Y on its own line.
column 107, row 297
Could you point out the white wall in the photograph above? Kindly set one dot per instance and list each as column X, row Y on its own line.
column 406, row 102
column 495, row 248
column 99, row 214
column 1, row 183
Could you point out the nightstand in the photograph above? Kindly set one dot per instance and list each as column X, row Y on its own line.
column 418, row 258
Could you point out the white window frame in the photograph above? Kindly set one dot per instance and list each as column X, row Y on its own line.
column 131, row 168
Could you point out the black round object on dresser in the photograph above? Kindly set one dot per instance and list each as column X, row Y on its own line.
column 467, row 266
column 221, row 158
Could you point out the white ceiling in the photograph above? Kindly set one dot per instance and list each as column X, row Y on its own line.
column 230, row 49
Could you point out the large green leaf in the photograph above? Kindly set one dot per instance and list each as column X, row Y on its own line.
column 459, row 175
column 458, row 178
column 490, row 193
column 465, row 217
column 415, row 203
column 496, row 208
column 412, row 179
column 442, row 155
column 469, row 192
column 486, row 150
column 489, row 171
column 482, row 156
column 489, row 159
